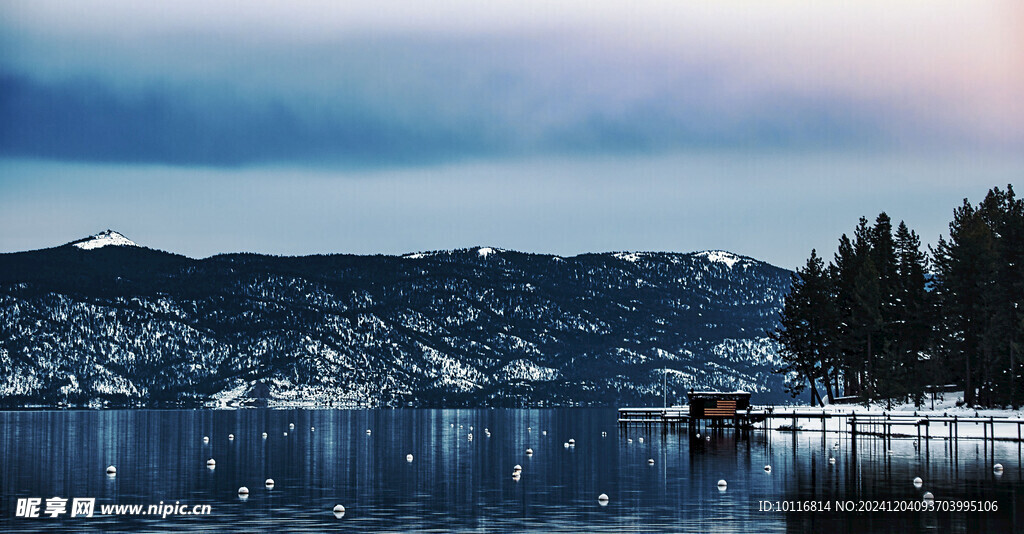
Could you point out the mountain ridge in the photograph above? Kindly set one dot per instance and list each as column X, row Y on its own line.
column 132, row 325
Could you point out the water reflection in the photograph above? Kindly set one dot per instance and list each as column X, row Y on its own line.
column 455, row 483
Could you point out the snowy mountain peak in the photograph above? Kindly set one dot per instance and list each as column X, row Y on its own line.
column 102, row 239
column 720, row 256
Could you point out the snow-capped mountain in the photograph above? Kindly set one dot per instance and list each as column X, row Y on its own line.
column 483, row 326
column 105, row 238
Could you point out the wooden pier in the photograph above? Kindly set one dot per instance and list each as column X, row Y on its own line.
column 877, row 423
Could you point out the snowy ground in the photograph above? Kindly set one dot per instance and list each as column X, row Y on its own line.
column 945, row 405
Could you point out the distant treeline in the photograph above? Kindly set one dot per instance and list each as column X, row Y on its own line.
column 884, row 319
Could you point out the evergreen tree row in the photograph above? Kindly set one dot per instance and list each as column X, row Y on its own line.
column 884, row 320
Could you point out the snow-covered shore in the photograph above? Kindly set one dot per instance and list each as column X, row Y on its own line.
column 945, row 405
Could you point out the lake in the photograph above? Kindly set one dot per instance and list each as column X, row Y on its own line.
column 454, row 483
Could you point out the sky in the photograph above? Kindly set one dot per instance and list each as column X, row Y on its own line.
column 763, row 128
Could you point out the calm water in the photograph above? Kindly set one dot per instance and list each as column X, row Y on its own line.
column 454, row 484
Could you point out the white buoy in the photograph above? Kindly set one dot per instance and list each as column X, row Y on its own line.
column 211, row 463
column 264, row 435
column 243, row 491
column 529, row 452
column 528, row 429
column 543, row 432
column 928, row 496
column 767, row 469
column 722, row 485
column 453, row 425
column 602, row 499
column 998, row 468
column 231, row 437
column 206, row 439
column 918, row 482
column 312, row 429
column 641, row 440
column 650, row 461
column 408, row 457
column 698, row 435
column 286, row 433
column 487, row 431
column 111, row 470
column 517, row 468
column 339, row 511
column 270, row 483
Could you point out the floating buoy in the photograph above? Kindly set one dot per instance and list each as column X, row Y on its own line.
column 471, row 428
column 486, row 431
column 460, row 426
column 312, row 429
column 517, row 468
column 918, row 482
column 453, row 425
column 231, row 437
column 698, row 435
column 243, row 491
column 767, row 469
column 206, row 439
column 339, row 511
column 264, row 435
column 291, row 426
column 408, row 457
column 543, row 432
column 270, row 483
column 602, row 499
column 211, row 463
column 111, row 471
column 998, row 468
column 566, row 444
column 928, row 496
column 650, row 461
column 286, row 433
column 641, row 440
column 529, row 452
column 722, row 485
column 528, row 429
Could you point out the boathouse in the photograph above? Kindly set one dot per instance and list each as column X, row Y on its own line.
column 717, row 404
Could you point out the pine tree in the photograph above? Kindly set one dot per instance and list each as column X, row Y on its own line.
column 807, row 330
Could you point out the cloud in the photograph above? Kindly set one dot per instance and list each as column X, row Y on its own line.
column 417, row 83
